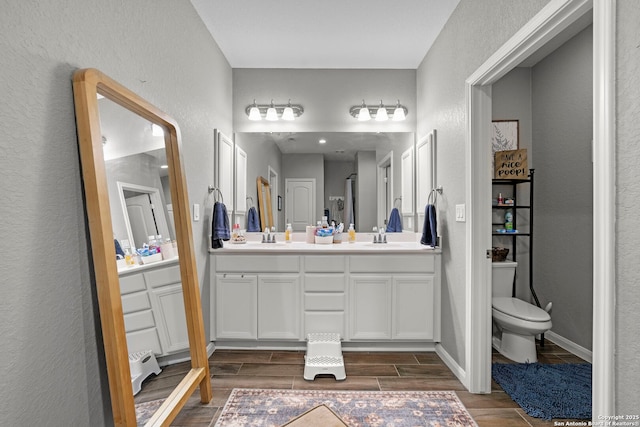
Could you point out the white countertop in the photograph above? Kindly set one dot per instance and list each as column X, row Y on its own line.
column 252, row 247
column 141, row 267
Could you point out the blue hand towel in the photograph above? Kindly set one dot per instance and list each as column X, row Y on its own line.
column 395, row 222
column 429, row 230
column 253, row 222
column 219, row 225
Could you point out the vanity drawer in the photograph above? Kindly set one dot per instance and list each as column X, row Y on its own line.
column 139, row 320
column 324, row 321
column 146, row 339
column 135, row 302
column 392, row 263
column 322, row 301
column 133, row 283
column 163, row 276
column 257, row 263
column 324, row 282
column 325, row 264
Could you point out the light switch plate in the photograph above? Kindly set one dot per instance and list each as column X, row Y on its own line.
column 460, row 213
column 196, row 212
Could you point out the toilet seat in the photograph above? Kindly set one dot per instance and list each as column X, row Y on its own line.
column 520, row 309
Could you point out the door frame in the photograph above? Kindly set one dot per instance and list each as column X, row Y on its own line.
column 552, row 19
column 382, row 195
column 156, row 201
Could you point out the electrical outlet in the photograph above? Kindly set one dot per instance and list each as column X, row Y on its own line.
column 460, row 213
column 196, row 212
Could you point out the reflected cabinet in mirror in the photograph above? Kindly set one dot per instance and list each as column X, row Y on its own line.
column 141, row 241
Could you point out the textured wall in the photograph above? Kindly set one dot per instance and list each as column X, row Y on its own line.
column 51, row 370
column 628, row 204
column 562, row 89
column 326, row 96
column 475, row 30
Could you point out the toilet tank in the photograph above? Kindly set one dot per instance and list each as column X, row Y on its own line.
column 502, row 275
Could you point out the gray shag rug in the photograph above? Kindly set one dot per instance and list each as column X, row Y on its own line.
column 547, row 390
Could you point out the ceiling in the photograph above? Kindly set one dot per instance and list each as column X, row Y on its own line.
column 360, row 34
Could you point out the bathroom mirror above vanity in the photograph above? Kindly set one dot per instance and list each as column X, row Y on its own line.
column 134, row 187
column 379, row 165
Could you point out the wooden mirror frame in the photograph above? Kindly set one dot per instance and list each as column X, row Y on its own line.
column 87, row 84
column 264, row 203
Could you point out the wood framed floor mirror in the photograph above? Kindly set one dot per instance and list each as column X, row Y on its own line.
column 95, row 93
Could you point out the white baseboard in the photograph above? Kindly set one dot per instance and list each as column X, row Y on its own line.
column 570, row 346
column 452, row 365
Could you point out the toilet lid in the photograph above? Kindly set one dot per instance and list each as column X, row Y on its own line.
column 520, row 309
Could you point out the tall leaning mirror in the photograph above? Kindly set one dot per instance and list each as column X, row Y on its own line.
column 126, row 210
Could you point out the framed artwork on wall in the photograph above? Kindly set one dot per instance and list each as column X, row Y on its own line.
column 505, row 136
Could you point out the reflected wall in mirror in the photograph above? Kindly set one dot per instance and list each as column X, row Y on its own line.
column 355, row 162
column 127, row 195
column 264, row 203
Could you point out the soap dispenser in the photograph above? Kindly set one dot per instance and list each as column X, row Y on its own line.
column 352, row 234
column 288, row 234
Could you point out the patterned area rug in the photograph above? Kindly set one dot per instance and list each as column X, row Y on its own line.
column 271, row 408
column 145, row 410
column 547, row 390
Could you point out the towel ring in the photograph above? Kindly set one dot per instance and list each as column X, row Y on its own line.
column 433, row 195
column 218, row 193
column 249, row 201
column 395, row 202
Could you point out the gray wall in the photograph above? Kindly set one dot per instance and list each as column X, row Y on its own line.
column 562, row 88
column 627, row 293
column 474, row 32
column 48, row 317
column 326, row 96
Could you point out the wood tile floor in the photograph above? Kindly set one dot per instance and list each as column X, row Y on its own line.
column 365, row 371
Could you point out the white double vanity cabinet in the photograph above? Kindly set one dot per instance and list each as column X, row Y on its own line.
column 373, row 295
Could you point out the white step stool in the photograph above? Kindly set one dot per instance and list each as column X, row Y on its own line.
column 324, row 356
column 142, row 364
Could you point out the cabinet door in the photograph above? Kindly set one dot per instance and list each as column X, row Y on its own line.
column 370, row 316
column 413, row 308
column 279, row 307
column 168, row 307
column 236, row 306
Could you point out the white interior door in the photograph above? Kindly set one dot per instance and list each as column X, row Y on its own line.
column 300, row 202
column 143, row 223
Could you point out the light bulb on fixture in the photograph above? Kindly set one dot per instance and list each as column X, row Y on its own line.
column 364, row 115
column 156, row 130
column 398, row 113
column 381, row 114
column 254, row 112
column 287, row 113
column 272, row 114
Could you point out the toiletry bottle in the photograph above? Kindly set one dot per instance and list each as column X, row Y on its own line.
column 325, row 223
column 500, row 199
column 152, row 244
column 352, row 234
column 235, row 232
column 508, row 221
column 288, row 234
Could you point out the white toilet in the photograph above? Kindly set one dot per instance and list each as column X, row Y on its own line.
column 517, row 322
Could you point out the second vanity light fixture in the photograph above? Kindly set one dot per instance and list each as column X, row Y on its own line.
column 273, row 112
column 379, row 112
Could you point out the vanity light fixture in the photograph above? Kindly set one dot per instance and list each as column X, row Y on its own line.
column 273, row 112
column 363, row 113
column 399, row 114
column 380, row 112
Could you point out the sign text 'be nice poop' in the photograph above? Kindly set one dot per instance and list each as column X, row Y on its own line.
column 511, row 164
